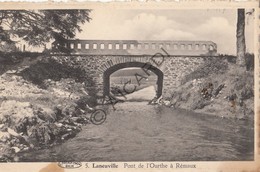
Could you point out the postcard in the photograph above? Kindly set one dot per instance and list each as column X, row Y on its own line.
column 129, row 86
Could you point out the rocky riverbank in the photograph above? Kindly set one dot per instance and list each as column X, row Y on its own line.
column 32, row 118
column 41, row 105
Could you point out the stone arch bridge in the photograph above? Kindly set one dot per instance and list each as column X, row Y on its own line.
column 169, row 60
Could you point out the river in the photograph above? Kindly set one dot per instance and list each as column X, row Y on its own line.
column 136, row 131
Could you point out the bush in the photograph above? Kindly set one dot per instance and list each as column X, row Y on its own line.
column 229, row 58
column 86, row 100
column 247, row 93
column 53, row 70
column 249, row 61
column 211, row 66
column 11, row 60
column 8, row 47
column 249, row 58
column 199, row 104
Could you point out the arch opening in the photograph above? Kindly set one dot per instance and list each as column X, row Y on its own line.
column 146, row 67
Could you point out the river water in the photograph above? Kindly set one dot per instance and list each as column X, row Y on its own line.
column 136, row 131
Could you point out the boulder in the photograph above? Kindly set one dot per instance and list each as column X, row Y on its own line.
column 13, row 133
column 4, row 136
column 16, row 149
column 6, row 153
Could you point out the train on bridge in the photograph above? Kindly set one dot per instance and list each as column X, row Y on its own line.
column 140, row 47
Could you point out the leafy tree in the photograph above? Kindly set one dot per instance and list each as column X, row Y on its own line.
column 38, row 27
column 8, row 47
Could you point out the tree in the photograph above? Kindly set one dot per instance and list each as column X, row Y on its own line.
column 240, row 34
column 38, row 27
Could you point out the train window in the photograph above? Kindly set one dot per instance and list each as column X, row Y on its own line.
column 197, row 47
column 146, row 46
column 72, row 46
column 109, row 46
column 124, row 46
column 132, row 46
column 117, row 46
column 167, row 46
column 189, row 47
column 79, row 46
column 204, row 47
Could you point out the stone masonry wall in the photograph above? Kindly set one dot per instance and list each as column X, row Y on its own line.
column 174, row 68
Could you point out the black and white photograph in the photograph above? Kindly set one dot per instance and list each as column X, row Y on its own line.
column 127, row 85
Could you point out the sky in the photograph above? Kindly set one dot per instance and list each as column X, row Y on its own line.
column 217, row 25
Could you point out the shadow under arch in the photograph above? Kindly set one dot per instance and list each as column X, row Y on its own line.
column 144, row 66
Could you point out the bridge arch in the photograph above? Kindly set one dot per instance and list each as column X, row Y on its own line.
column 144, row 66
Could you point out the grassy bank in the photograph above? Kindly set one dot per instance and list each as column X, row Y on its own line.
column 218, row 88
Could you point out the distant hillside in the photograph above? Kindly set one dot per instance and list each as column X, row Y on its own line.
column 131, row 72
